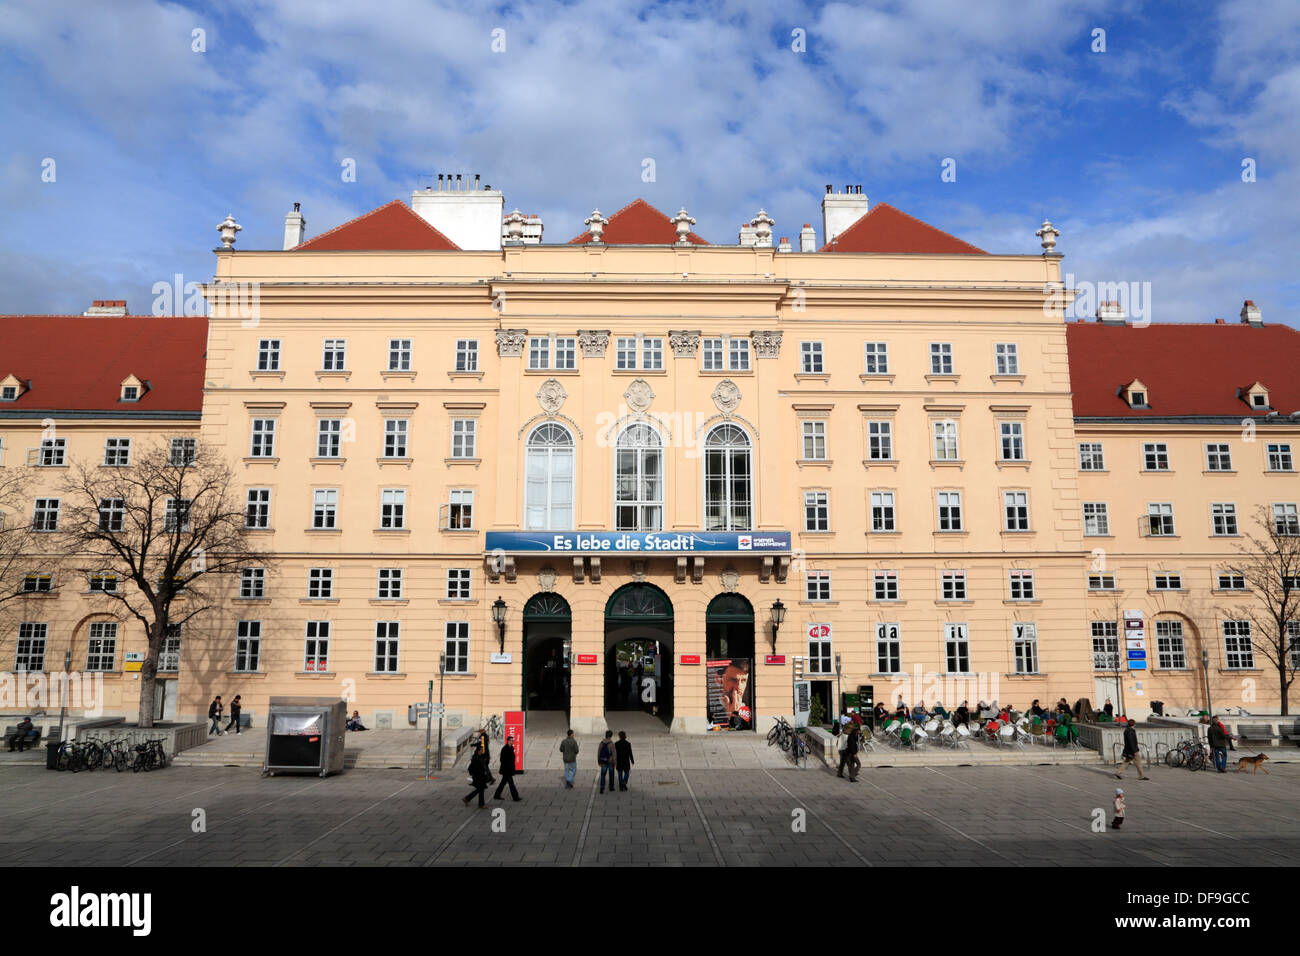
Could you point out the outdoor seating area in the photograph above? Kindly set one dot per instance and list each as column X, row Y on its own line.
column 986, row 725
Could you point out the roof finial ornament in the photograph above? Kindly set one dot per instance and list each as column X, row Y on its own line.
column 1048, row 234
column 683, row 222
column 763, row 224
column 515, row 226
column 596, row 223
column 228, row 227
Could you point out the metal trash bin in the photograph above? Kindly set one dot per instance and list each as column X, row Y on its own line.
column 305, row 735
column 52, row 756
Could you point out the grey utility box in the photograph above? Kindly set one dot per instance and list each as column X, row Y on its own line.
column 305, row 735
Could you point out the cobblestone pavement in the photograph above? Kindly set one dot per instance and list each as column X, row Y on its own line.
column 904, row 816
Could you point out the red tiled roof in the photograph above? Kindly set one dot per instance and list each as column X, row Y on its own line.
column 886, row 229
column 1187, row 369
column 639, row 223
column 78, row 363
column 392, row 226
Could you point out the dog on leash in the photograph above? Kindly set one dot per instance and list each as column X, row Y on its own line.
column 1256, row 763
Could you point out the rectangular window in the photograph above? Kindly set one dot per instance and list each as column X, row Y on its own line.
column 399, row 355
column 169, row 657
column 1238, row 651
column 390, row 584
column 1170, row 651
column 1105, row 646
column 1232, row 582
column 395, row 431
column 334, row 355
column 1012, row 435
column 945, row 441
column 882, row 511
column 539, row 352
column 1167, row 581
column 329, row 438
column 1022, row 585
column 38, row 582
column 652, row 353
column 625, row 353
column 320, row 583
column 949, row 510
column 268, row 355
column 467, row 355
column 1223, row 518
column 316, row 647
column 112, row 514
column 183, row 452
column 816, row 511
column 566, row 353
column 117, row 452
column 104, row 582
column 810, row 357
column 257, row 510
column 1286, row 520
column 460, row 510
column 45, row 516
column 711, row 351
column 456, row 647
column 1155, row 456
column 462, row 437
column 1091, row 457
column 1160, row 518
column 263, row 441
column 817, row 586
column 392, row 509
column 956, row 639
column 31, row 646
column 53, row 451
column 1279, row 457
column 941, row 358
column 458, row 584
column 888, row 657
column 738, row 355
column 387, row 636
column 821, row 657
column 252, row 584
column 1293, row 643
column 880, row 441
column 885, row 585
column 1096, row 518
column 1218, row 457
column 248, row 646
column 814, row 441
column 101, row 648
column 1008, row 359
column 176, row 518
column 1025, row 637
column 325, row 504
column 877, row 362
column 952, row 585
column 1015, row 507
column 1101, row 582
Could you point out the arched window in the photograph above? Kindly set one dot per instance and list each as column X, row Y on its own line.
column 548, row 479
column 728, row 489
column 639, row 480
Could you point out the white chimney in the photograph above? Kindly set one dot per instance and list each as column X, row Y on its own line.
column 784, row 244
column 295, row 228
column 104, row 307
column 468, row 214
column 748, row 234
column 841, row 210
column 1250, row 314
column 1110, row 313
column 807, row 238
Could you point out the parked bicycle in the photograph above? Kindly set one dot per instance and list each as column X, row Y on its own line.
column 1190, row 753
column 149, row 755
column 798, row 748
column 780, row 734
column 69, row 757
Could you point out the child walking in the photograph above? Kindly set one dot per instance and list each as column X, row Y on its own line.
column 1119, row 810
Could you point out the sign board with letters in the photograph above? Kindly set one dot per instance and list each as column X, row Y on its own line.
column 690, row 658
column 514, row 735
column 802, row 702
column 774, row 659
column 586, row 658
column 638, row 542
column 502, row 658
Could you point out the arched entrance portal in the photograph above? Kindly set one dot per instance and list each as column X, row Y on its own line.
column 729, row 643
column 548, row 626
column 639, row 651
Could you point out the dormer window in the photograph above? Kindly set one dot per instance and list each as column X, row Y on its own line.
column 133, row 389
column 130, row 393
column 1256, row 397
column 1135, row 394
column 9, row 393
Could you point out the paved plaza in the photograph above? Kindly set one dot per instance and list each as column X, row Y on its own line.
column 985, row 815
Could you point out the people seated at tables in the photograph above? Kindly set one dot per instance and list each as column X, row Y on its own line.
column 938, row 710
column 881, row 714
column 901, row 710
column 919, row 713
column 962, row 714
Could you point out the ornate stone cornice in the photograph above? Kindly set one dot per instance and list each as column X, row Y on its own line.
column 593, row 342
column 684, row 344
column 767, row 343
column 510, row 342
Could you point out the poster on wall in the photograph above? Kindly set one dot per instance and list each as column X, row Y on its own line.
column 802, row 702
column 730, row 694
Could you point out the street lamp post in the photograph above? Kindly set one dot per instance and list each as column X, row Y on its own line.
column 499, row 615
column 1205, row 669
column 839, row 691
column 778, row 616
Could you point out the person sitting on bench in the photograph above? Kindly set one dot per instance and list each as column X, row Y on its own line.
column 19, row 736
column 354, row 722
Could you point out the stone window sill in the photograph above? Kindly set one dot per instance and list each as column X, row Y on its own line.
column 252, row 602
column 309, row 600
column 387, row 460
column 343, row 374
column 1013, row 463
column 814, row 462
column 812, row 377
column 869, row 463
column 958, row 463
column 553, row 371
column 463, row 461
column 455, row 375
column 1023, row 602
column 1218, row 472
column 963, row 602
column 721, row 373
column 638, row 371
column 886, row 377
column 324, row 530
column 389, row 602
column 261, row 460
column 388, row 373
column 932, row 378
column 392, row 531
column 385, row 675
column 1007, row 378
column 266, row 373
column 332, row 460
column 458, row 602
column 313, row 674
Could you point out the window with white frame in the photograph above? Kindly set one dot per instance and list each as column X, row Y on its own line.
column 1160, row 519
column 810, row 358
column 1091, row 456
column 1096, row 519
column 101, row 647
column 176, row 517
column 1155, row 456
column 456, row 647
column 821, row 656
column 1012, row 441
column 1105, row 645
column 549, row 479
column 1171, row 653
column 638, row 479
column 1007, row 358
column 334, row 355
column 1239, row 653
column 268, row 355
column 387, row 637
column 1022, row 585
column 463, row 432
column 102, row 582
column 650, row 349
column 248, row 646
column 325, row 506
column 725, row 354
column 262, row 444
column 53, row 452
column 884, row 585
column 467, row 355
column 169, row 657
column 945, row 440
column 817, row 585
column 460, row 509
column 329, row 438
column 816, row 511
column 877, row 358
column 252, row 584
column 1293, row 644
column 728, row 491
column 390, row 584
column 1279, row 457
column 117, row 452
column 112, row 514
column 541, row 348
column 38, row 582
column 956, row 641
column 1024, row 636
column 395, row 433
column 45, row 515
column 183, row 452
column 1228, row 581
column 882, row 511
column 949, row 510
column 30, row 655
column 458, row 584
column 880, row 441
column 1015, row 508
column 320, row 583
column 888, row 646
column 399, row 355
column 941, row 358
column 952, row 585
column 316, row 647
column 1167, row 581
column 392, row 509
column 257, row 510
column 8, row 393
column 1218, row 457
column 814, row 441
column 1286, row 520
column 1223, row 518
column 1101, row 581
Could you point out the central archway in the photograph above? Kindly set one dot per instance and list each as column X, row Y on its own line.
column 548, row 628
column 729, row 644
column 639, row 651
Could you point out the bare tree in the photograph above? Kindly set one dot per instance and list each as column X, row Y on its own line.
column 16, row 538
column 1269, row 561
column 167, row 527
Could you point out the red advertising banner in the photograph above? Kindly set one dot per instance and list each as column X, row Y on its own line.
column 514, row 720
column 586, row 658
column 729, row 694
column 690, row 658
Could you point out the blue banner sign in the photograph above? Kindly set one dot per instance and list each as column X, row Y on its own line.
column 640, row 542
column 1137, row 665
column 1136, row 655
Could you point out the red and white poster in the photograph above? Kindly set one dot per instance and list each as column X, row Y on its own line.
column 730, row 700
column 514, row 721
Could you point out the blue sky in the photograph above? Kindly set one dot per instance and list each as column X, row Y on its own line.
column 1135, row 153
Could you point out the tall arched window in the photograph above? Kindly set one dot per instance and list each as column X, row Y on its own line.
column 728, row 489
column 639, row 480
column 548, row 479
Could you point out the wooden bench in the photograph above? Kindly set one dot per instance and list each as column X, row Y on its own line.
column 1290, row 733
column 1256, row 732
column 30, row 742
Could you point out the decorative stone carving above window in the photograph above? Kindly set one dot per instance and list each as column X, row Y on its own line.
column 639, row 395
column 767, row 344
column 510, row 342
column 684, row 344
column 726, row 396
column 551, row 395
column 593, row 343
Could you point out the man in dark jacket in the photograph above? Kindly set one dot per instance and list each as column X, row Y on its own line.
column 605, row 758
column 1219, row 744
column 851, row 751
column 507, row 771
column 19, row 736
column 478, row 777
column 623, row 759
column 214, row 715
column 235, row 708
column 1131, row 754
column 484, row 747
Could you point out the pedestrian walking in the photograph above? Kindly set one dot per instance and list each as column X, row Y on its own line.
column 478, row 777
column 569, row 751
column 605, row 757
column 214, row 715
column 1218, row 735
column 235, row 708
column 1120, row 807
column 507, row 770
column 623, row 759
column 1131, row 754
column 853, row 745
column 486, row 751
column 843, row 748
